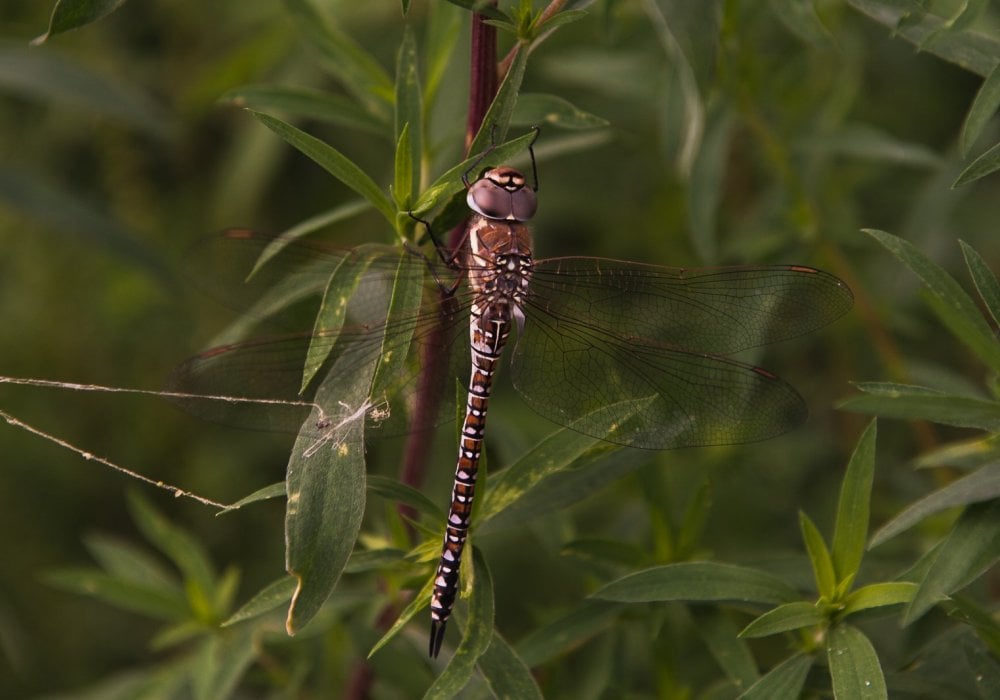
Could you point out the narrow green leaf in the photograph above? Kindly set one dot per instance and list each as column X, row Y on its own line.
column 982, row 110
column 854, row 666
column 879, row 595
column 819, row 557
column 981, row 485
column 784, row 618
column 985, row 164
column 506, row 673
column 970, row 50
column 420, row 601
column 332, row 312
column 154, row 601
column 693, row 526
column 409, row 116
column 783, row 682
column 566, row 633
column 307, row 103
column 984, row 279
column 497, row 119
column 698, row 581
column 733, row 654
column 333, row 161
column 443, row 28
column 964, row 319
column 326, row 492
column 705, row 185
column 407, row 295
column 393, row 490
column 972, row 546
column 476, row 639
column 980, row 619
column 276, row 490
column 339, row 213
column 962, row 454
column 868, row 143
column 801, row 19
column 272, row 596
column 179, row 546
column 126, row 561
column 222, row 660
column 357, row 70
column 921, row 403
column 450, row 183
column 403, row 181
column 73, row 14
column 555, row 453
column 853, row 507
column 535, row 109
column 374, row 559
column 688, row 123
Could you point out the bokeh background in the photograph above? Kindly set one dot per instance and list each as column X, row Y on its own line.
column 119, row 153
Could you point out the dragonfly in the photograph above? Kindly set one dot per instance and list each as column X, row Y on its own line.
column 634, row 354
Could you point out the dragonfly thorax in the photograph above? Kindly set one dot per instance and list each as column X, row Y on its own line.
column 502, row 194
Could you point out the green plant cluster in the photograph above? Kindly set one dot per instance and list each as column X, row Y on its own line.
column 704, row 133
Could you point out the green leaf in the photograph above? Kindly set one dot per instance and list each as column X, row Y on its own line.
column 334, row 162
column 497, row 119
column 276, row 490
column 420, row 601
column 921, row 403
column 409, row 116
column 962, row 454
column 557, row 452
column 984, row 279
column 866, row 142
column 981, row 485
column 693, row 526
column 307, row 103
column 733, row 655
column 879, row 595
column 985, row 164
column 477, row 637
column 179, row 546
column 73, row 14
column 339, row 213
column 705, row 185
column 506, row 673
column 698, row 581
column 482, row 7
column 374, row 559
column 819, row 557
column 568, row 632
column 964, row 320
column 356, row 69
column 854, row 666
column 972, row 546
column 450, row 183
column 979, row 618
column 272, row 596
column 130, row 563
column 398, row 492
column 403, row 304
column 982, row 110
column 800, row 17
column 443, row 28
column 64, row 81
column 154, row 601
column 534, row 109
column 970, row 50
column 784, row 618
column 783, row 682
column 221, row 662
column 344, row 281
column 851, row 529
column 402, row 189
column 326, row 491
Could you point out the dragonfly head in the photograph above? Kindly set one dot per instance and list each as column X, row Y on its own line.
column 502, row 194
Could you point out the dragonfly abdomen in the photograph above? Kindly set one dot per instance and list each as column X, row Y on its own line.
column 488, row 335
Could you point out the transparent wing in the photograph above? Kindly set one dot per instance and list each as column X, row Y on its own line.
column 639, row 347
column 364, row 304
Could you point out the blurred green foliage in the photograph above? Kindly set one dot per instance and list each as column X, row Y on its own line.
column 721, row 132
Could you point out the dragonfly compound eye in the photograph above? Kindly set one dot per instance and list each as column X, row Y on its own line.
column 501, row 194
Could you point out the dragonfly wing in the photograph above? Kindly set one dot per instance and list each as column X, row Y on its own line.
column 718, row 311
column 377, row 316
column 635, row 393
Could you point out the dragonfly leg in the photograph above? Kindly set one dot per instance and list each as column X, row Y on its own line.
column 448, row 258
